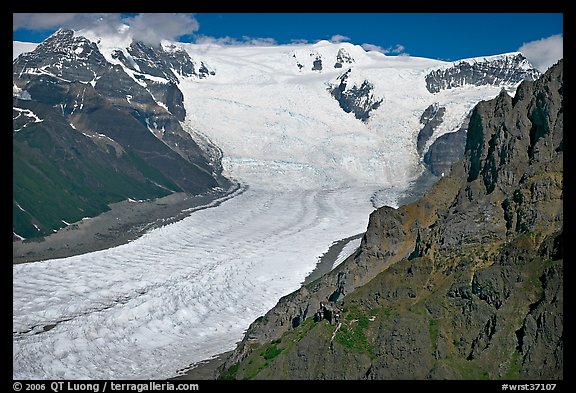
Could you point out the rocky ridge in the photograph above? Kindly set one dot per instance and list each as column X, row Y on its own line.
column 503, row 70
column 465, row 283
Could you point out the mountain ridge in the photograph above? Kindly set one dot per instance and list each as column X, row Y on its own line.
column 455, row 285
column 136, row 137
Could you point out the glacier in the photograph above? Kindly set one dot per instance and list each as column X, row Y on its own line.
column 187, row 292
column 177, row 295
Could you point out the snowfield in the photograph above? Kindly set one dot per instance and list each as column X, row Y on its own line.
column 188, row 291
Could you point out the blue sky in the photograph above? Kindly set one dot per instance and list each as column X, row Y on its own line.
column 444, row 36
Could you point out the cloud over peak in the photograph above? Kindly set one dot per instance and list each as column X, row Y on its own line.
column 149, row 28
column 244, row 41
column 545, row 52
column 336, row 38
column 396, row 49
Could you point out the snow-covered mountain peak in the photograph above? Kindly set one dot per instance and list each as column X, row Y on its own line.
column 322, row 43
column 64, row 55
column 325, row 56
column 66, row 44
column 511, row 58
column 120, row 37
column 505, row 70
column 336, row 87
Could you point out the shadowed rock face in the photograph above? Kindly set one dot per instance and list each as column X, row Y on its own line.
column 430, row 119
column 446, row 150
column 508, row 70
column 63, row 55
column 465, row 283
column 317, row 65
column 108, row 125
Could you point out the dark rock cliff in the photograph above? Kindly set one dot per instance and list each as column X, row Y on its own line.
column 447, row 149
column 343, row 57
column 506, row 71
column 147, row 61
column 465, row 283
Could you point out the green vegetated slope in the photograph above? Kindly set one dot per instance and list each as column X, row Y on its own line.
column 465, row 283
column 61, row 174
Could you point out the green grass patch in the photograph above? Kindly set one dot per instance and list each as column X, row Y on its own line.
column 271, row 351
column 433, row 331
column 254, row 366
column 150, row 172
column 386, row 312
column 52, row 185
column 515, row 365
column 352, row 333
column 293, row 336
column 230, row 373
column 263, row 356
column 468, row 370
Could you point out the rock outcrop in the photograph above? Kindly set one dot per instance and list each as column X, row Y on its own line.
column 465, row 283
column 343, row 57
column 159, row 70
column 430, row 119
column 359, row 100
column 505, row 71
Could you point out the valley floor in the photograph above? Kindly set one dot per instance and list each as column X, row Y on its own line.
column 124, row 222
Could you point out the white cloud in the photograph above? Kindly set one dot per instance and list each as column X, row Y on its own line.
column 397, row 49
column 203, row 39
column 150, row 28
column 259, row 41
column 244, row 41
column 369, row 47
column 544, row 52
column 41, row 21
column 336, row 38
